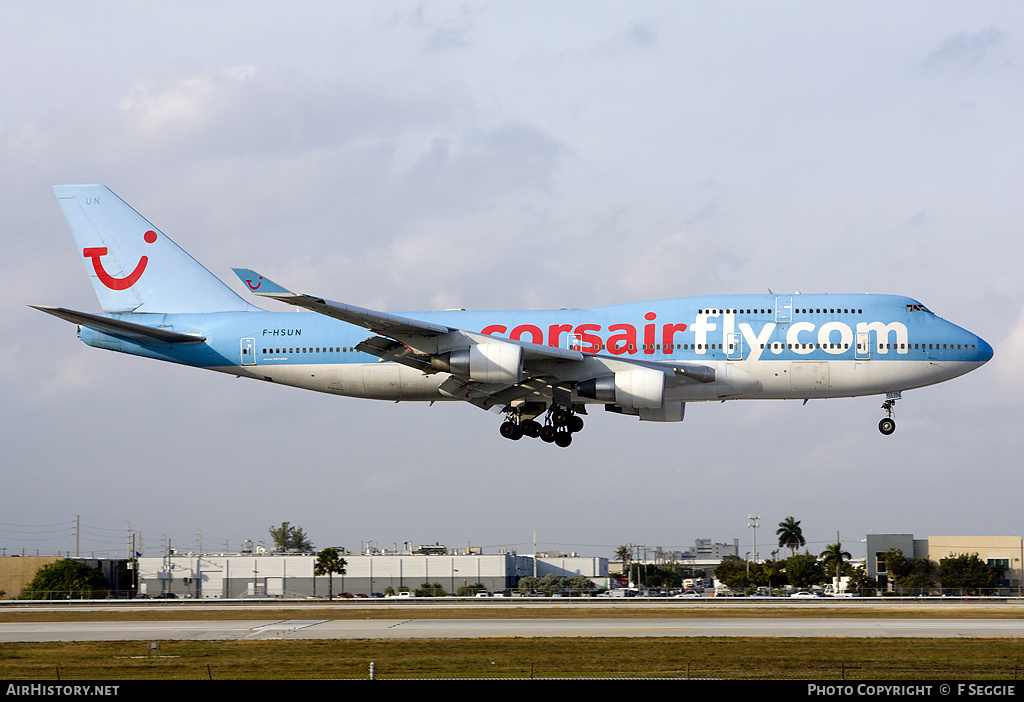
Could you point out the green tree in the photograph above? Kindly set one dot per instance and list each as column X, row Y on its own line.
column 770, row 574
column 803, row 571
column 790, row 535
column 578, row 584
column 859, row 580
column 665, row 575
column 732, row 572
column 289, row 538
column 922, row 575
column 330, row 563
column 66, row 580
column 907, row 574
column 967, row 572
column 431, row 590
column 528, row 584
column 470, row 590
column 894, row 564
column 551, row 583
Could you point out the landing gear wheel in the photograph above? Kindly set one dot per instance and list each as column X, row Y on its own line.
column 511, row 430
column 547, row 434
column 560, row 417
column 575, row 424
column 563, row 439
column 887, row 426
column 531, row 428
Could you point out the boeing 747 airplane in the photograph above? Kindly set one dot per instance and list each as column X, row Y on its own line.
column 541, row 368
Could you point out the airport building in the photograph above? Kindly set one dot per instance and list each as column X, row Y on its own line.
column 256, row 573
column 209, row 576
column 705, row 555
column 1003, row 552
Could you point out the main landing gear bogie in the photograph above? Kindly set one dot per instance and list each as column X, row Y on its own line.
column 558, row 427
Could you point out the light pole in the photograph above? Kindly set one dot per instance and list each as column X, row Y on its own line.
column 752, row 520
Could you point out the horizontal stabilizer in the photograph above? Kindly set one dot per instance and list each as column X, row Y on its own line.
column 117, row 327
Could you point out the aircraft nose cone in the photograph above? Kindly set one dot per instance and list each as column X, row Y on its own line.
column 984, row 351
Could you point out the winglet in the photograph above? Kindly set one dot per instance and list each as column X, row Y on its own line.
column 258, row 285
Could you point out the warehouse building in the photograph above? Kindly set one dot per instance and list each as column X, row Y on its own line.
column 209, row 576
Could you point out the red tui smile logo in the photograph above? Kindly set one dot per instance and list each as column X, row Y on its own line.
column 95, row 253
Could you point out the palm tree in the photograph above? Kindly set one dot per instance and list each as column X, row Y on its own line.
column 623, row 555
column 833, row 557
column 790, row 535
column 329, row 562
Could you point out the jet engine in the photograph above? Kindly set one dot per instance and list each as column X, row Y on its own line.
column 483, row 363
column 637, row 388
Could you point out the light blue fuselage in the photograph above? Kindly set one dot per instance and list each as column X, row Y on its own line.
column 763, row 346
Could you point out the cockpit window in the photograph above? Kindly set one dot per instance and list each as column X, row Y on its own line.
column 917, row 308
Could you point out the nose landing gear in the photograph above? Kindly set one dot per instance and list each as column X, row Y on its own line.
column 888, row 425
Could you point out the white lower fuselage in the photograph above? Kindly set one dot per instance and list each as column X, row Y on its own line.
column 759, row 347
column 738, row 380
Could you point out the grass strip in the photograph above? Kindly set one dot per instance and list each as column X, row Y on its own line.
column 714, row 657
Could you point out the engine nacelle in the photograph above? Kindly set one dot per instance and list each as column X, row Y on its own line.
column 484, row 363
column 637, row 388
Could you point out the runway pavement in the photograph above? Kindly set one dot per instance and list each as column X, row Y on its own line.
column 425, row 628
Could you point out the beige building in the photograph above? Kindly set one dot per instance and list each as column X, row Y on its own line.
column 1004, row 551
column 17, row 571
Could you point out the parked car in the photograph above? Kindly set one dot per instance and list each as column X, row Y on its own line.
column 805, row 594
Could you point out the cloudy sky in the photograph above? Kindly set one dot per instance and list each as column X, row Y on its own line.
column 402, row 155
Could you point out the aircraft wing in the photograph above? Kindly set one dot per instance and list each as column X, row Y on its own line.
column 412, row 332
column 117, row 327
column 377, row 322
column 509, row 369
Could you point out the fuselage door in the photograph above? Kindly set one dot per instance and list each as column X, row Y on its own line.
column 783, row 309
column 734, row 346
column 248, row 352
column 863, row 351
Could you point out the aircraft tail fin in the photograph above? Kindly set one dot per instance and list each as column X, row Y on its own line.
column 132, row 265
